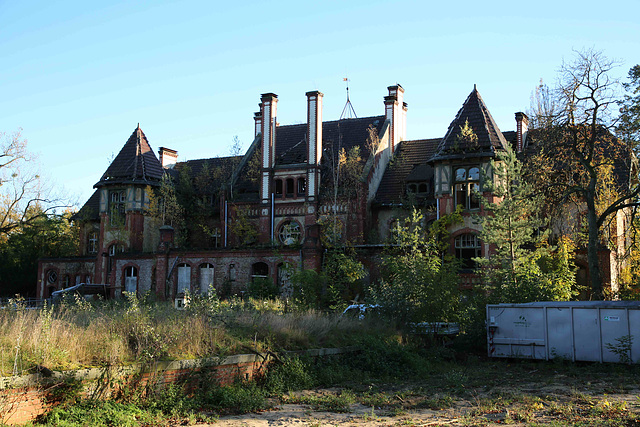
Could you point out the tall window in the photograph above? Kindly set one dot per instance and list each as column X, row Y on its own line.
column 467, row 184
column 279, row 187
column 116, row 207
column 206, row 277
column 302, row 186
column 289, row 187
column 92, row 242
column 467, row 247
column 184, row 278
column 131, row 279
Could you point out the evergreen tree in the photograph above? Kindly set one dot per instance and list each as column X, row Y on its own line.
column 523, row 266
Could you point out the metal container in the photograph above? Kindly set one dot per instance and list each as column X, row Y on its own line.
column 596, row 331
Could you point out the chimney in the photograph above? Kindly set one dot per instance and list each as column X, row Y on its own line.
column 258, row 119
column 314, row 141
column 395, row 112
column 268, row 112
column 168, row 157
column 522, row 126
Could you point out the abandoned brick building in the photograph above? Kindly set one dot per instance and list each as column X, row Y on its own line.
column 262, row 212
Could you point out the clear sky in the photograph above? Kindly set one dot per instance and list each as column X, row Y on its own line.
column 77, row 77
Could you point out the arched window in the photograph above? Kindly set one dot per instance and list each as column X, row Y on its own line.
column 259, row 270
column 422, row 188
column 206, row 277
column 279, row 187
column 289, row 233
column 289, row 187
column 92, row 242
column 467, row 184
column 411, row 188
column 302, row 186
column 184, row 278
column 131, row 279
column 467, row 247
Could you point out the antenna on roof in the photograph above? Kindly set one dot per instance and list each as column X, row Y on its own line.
column 348, row 112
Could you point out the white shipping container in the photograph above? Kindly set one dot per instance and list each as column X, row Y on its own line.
column 596, row 331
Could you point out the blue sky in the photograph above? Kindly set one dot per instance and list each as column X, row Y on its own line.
column 77, row 77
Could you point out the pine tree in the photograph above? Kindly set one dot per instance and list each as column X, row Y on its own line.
column 523, row 267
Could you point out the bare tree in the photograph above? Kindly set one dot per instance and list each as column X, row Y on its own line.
column 588, row 163
column 24, row 197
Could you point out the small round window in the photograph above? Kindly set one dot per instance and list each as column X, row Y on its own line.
column 289, row 233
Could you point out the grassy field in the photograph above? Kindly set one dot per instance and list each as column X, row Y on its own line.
column 79, row 334
column 391, row 380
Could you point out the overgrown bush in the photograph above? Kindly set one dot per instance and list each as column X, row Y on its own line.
column 263, row 288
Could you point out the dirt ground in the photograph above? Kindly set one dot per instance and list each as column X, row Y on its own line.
column 518, row 394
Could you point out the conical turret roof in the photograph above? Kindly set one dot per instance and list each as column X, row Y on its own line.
column 136, row 163
column 488, row 136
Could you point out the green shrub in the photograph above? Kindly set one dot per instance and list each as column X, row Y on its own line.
column 237, row 398
column 263, row 288
column 293, row 374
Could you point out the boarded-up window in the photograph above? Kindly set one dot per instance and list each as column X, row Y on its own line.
column 184, row 278
column 206, row 278
column 131, row 279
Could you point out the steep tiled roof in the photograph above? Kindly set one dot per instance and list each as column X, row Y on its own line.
column 489, row 136
column 291, row 141
column 409, row 164
column 135, row 163
column 90, row 210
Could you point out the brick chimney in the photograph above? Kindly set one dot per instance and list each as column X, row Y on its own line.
column 268, row 112
column 258, row 119
column 395, row 111
column 168, row 157
column 522, row 126
column 314, row 141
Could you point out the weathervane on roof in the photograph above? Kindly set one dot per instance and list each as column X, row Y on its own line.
column 348, row 112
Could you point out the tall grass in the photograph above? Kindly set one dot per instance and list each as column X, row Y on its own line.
column 80, row 334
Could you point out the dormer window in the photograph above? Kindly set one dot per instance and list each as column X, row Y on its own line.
column 420, row 188
column 467, row 184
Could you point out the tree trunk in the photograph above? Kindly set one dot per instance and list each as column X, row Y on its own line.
column 592, row 252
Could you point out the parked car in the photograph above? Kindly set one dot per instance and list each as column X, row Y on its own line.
column 436, row 329
column 86, row 290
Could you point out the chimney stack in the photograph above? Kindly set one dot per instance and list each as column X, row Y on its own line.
column 168, row 157
column 257, row 116
column 522, row 127
column 395, row 112
column 314, row 141
column 268, row 124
